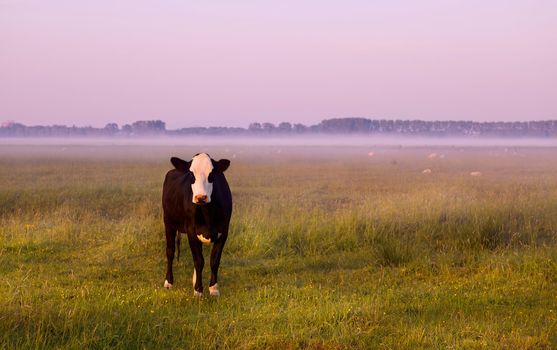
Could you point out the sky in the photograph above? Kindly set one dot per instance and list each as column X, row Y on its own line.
column 230, row 63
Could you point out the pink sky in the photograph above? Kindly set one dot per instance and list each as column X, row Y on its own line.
column 233, row 62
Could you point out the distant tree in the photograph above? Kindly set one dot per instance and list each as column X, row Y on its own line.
column 127, row 128
column 148, row 126
column 285, row 127
column 111, row 128
column 300, row 128
column 347, row 125
column 269, row 127
column 254, row 127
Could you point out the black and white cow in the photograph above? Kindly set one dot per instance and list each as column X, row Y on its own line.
column 196, row 200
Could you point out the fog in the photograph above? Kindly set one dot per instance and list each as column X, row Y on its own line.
column 307, row 148
column 297, row 141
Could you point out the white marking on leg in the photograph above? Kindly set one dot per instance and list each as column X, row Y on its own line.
column 220, row 234
column 203, row 239
column 167, row 285
column 193, row 280
column 214, row 290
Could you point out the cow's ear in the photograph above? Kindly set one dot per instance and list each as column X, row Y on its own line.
column 223, row 164
column 180, row 164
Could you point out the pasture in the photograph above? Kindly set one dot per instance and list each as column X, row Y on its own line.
column 329, row 248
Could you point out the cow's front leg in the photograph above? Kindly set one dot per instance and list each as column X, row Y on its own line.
column 170, row 249
column 216, row 253
column 198, row 262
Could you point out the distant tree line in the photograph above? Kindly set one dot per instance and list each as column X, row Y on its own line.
column 141, row 127
column 543, row 128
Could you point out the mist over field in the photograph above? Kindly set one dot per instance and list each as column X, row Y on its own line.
column 392, row 153
column 354, row 140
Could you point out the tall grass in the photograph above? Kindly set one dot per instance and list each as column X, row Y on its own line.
column 344, row 251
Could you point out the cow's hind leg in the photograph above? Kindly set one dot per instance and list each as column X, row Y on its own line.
column 170, row 249
column 198, row 262
column 216, row 253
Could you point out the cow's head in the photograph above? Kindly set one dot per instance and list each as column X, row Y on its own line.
column 202, row 170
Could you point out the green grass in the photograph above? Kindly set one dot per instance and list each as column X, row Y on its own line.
column 328, row 249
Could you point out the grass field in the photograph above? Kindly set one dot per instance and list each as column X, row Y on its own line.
column 328, row 249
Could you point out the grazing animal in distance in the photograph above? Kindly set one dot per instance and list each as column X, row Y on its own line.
column 196, row 200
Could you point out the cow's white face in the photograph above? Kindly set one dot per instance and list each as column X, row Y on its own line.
column 201, row 167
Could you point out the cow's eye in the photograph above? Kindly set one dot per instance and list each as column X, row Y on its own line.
column 211, row 177
column 192, row 176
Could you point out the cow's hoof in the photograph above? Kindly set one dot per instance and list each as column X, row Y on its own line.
column 214, row 290
column 167, row 285
column 197, row 294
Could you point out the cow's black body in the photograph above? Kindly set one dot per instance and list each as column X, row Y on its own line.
column 183, row 216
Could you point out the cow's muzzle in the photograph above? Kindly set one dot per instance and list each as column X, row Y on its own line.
column 201, row 199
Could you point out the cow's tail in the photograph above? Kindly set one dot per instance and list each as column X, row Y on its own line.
column 178, row 239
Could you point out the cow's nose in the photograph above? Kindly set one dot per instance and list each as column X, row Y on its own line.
column 200, row 198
